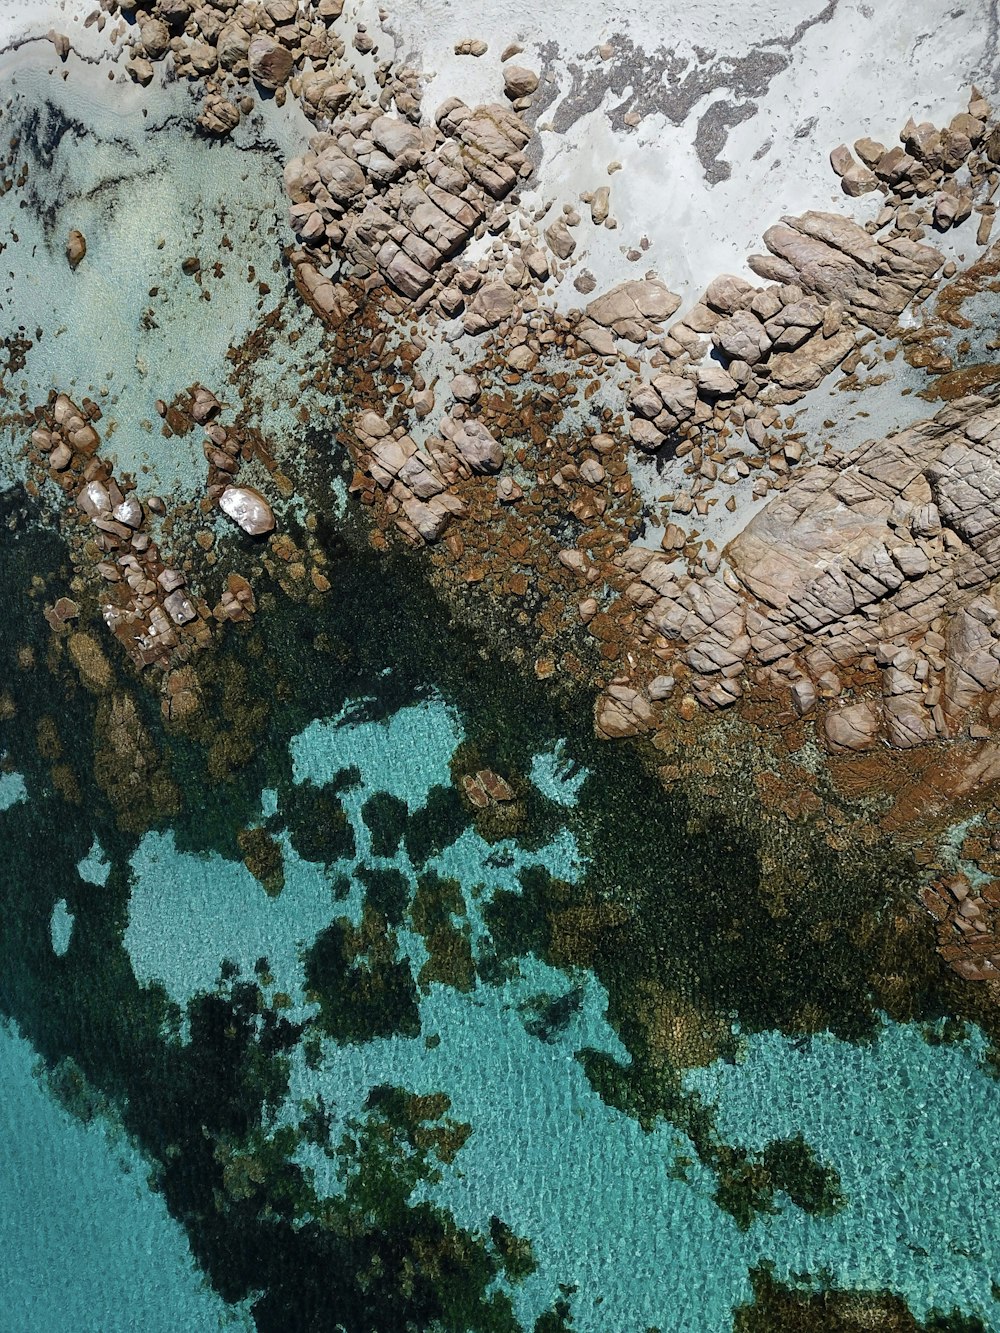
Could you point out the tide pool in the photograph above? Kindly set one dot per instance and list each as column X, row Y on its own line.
column 557, row 777
column 95, row 866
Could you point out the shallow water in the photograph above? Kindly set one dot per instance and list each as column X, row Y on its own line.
column 601, row 1200
column 128, row 327
column 84, row 1242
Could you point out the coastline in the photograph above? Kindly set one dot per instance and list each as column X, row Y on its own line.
column 404, row 440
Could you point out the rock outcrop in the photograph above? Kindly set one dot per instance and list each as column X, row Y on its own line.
column 834, row 258
column 892, row 553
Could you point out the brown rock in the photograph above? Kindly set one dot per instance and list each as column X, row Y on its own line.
column 639, row 301
column 715, row 382
column 810, row 363
column 270, row 62
column 561, row 240
column 841, row 159
column 175, row 12
column 621, row 711
column 140, row 71
column 742, row 337
column 76, row 248
column 218, row 116
column 396, row 136
column 838, row 260
column 493, row 303
column 869, row 150
column 519, row 82
column 154, row 37
column 204, row 405
column 858, row 180
column 465, row 388
column 728, row 293
column 232, row 45
column 853, row 727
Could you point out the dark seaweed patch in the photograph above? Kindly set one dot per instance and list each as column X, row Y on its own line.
column 386, row 817
column 315, row 819
column 364, row 990
column 387, row 891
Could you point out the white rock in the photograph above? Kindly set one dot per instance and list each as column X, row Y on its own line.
column 248, row 508
column 128, row 512
column 465, row 388
column 94, row 500
column 179, row 608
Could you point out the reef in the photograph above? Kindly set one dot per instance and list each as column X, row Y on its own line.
column 777, row 1307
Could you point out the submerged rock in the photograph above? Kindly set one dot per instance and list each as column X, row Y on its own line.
column 89, row 659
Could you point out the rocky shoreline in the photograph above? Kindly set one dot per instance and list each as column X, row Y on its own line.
column 853, row 604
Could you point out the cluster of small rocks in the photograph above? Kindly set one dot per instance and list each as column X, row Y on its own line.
column 148, row 607
column 886, row 557
column 376, row 191
column 146, row 598
column 968, row 925
column 770, row 345
column 872, row 615
column 868, row 590
column 224, row 449
column 380, row 196
column 234, row 48
column 833, row 285
column 934, row 178
column 418, row 481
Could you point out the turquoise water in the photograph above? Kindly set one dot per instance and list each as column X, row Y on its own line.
column 61, row 927
column 95, row 866
column 188, row 913
column 909, row 1126
column 84, row 1244
column 12, row 790
column 557, row 777
column 912, row 1130
column 403, row 757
